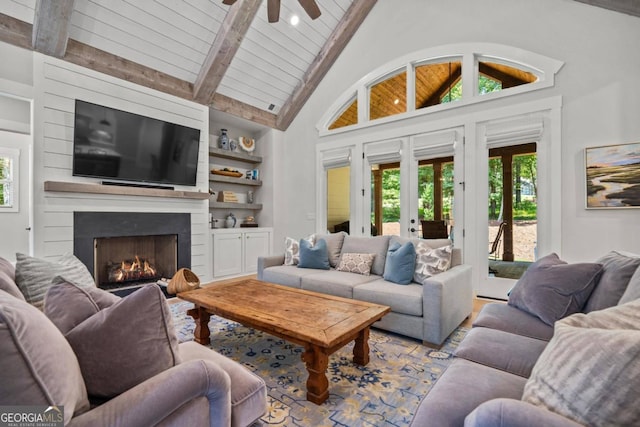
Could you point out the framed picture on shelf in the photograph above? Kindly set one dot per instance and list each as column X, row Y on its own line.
column 613, row 176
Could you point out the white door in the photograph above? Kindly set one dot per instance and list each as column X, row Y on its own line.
column 256, row 244
column 15, row 227
column 227, row 254
column 436, row 176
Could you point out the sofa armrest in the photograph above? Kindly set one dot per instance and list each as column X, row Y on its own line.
column 515, row 413
column 268, row 261
column 153, row 400
column 447, row 300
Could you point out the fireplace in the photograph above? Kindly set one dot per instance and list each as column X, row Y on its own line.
column 125, row 261
column 128, row 249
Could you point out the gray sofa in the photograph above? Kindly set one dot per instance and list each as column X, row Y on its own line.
column 507, row 347
column 428, row 311
column 39, row 367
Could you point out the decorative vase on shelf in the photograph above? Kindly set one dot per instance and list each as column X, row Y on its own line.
column 230, row 221
column 223, row 141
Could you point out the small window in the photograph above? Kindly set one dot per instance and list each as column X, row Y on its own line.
column 388, row 97
column 493, row 77
column 348, row 117
column 438, row 83
column 8, row 186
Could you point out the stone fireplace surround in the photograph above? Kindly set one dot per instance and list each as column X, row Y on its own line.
column 88, row 226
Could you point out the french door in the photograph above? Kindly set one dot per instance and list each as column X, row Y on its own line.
column 413, row 179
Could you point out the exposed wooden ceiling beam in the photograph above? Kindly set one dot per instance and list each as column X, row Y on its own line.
column 15, row 31
column 245, row 111
column 334, row 45
column 116, row 66
column 630, row 7
column 51, row 26
column 224, row 48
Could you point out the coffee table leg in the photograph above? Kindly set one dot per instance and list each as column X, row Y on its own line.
column 361, row 348
column 317, row 362
column 202, row 333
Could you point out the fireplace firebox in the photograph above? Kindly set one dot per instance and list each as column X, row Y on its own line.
column 125, row 261
column 127, row 249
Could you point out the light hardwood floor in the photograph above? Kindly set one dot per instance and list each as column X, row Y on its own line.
column 478, row 303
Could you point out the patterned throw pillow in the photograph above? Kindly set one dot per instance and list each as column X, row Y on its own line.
column 430, row 261
column 602, row 389
column 356, row 263
column 34, row 275
column 292, row 249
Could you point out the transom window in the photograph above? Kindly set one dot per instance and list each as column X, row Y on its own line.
column 438, row 83
column 409, row 87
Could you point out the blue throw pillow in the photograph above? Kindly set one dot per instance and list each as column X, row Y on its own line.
column 314, row 256
column 400, row 264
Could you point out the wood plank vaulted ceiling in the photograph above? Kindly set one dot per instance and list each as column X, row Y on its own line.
column 228, row 57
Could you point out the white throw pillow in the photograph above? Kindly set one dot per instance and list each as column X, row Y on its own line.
column 430, row 261
column 292, row 249
column 590, row 370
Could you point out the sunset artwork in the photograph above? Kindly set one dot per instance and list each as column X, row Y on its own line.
column 613, row 176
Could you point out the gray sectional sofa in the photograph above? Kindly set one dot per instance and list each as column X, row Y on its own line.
column 514, row 369
column 429, row 311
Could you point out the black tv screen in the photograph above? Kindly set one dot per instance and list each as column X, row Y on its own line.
column 115, row 144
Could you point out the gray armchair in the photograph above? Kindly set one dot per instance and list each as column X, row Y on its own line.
column 40, row 368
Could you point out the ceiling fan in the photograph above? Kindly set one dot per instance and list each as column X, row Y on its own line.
column 273, row 8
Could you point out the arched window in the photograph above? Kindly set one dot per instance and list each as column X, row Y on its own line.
column 435, row 80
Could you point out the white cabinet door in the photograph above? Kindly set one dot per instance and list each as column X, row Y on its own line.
column 227, row 254
column 256, row 243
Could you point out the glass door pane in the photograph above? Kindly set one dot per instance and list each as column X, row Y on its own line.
column 338, row 199
column 385, row 199
column 512, row 207
column 435, row 197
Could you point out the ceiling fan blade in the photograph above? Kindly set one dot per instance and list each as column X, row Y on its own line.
column 273, row 10
column 311, row 8
column 228, row 2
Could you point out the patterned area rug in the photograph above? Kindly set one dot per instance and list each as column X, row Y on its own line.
column 386, row 392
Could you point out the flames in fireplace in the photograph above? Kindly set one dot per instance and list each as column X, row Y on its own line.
column 132, row 270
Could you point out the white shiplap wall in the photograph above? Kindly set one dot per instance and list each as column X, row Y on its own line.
column 19, row 9
column 57, row 85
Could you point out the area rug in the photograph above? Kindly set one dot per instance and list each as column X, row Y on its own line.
column 386, row 392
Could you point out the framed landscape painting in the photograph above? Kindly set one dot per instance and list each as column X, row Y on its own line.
column 613, row 176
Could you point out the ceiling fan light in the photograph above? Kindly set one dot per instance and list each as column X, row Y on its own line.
column 294, row 20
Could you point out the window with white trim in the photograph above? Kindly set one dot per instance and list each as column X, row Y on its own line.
column 407, row 87
column 8, row 179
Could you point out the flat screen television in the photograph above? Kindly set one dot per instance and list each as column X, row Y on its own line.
column 115, row 144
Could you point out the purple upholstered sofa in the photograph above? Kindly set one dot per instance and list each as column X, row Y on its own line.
column 485, row 384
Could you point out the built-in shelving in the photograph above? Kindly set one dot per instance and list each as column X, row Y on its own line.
column 234, row 155
column 235, row 205
column 232, row 180
column 238, row 156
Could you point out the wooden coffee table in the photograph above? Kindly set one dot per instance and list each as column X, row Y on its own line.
column 320, row 323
